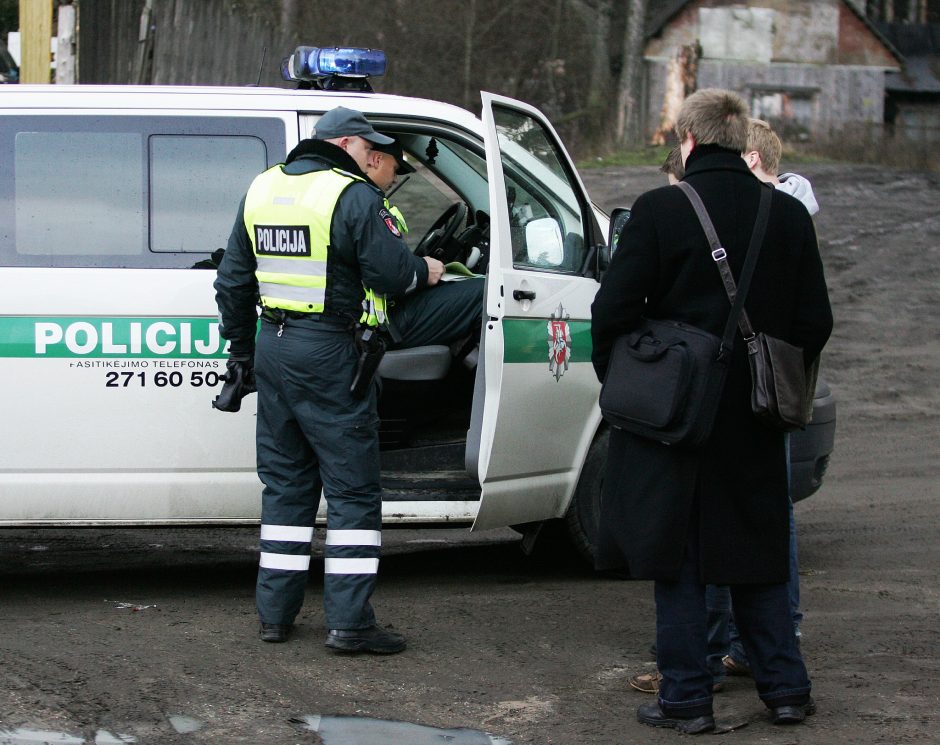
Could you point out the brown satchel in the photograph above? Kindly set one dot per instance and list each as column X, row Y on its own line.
column 782, row 385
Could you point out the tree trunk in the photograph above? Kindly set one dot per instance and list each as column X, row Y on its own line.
column 627, row 129
column 596, row 16
column 469, row 30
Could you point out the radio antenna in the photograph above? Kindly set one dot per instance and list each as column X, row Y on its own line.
column 264, row 51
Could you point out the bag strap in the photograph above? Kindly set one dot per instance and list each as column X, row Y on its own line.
column 757, row 240
column 736, row 294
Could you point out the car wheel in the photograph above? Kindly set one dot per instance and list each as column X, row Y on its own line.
column 584, row 512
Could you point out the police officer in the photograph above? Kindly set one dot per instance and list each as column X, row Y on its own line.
column 311, row 237
column 449, row 313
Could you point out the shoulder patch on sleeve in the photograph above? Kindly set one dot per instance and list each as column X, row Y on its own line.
column 390, row 222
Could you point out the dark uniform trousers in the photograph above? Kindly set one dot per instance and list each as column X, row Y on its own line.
column 312, row 434
column 442, row 314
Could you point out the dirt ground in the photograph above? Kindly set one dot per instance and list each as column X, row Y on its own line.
column 111, row 636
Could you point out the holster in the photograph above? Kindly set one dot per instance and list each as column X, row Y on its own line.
column 371, row 346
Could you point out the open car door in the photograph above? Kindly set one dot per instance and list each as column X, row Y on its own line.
column 540, row 409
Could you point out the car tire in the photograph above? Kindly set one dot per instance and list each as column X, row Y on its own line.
column 584, row 512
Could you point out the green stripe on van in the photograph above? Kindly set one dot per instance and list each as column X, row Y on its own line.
column 526, row 340
column 97, row 337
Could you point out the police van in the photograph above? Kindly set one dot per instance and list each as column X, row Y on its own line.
column 115, row 203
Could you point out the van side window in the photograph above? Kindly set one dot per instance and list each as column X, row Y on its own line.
column 79, row 195
column 92, row 190
column 196, row 183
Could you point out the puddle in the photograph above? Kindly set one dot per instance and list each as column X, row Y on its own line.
column 183, row 724
column 47, row 737
column 366, row 731
column 120, row 605
column 106, row 738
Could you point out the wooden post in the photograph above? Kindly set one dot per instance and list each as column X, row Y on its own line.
column 65, row 46
column 143, row 73
column 35, row 41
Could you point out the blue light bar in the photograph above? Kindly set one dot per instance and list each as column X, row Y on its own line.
column 315, row 63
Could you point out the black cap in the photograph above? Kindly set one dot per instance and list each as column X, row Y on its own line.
column 343, row 122
column 394, row 149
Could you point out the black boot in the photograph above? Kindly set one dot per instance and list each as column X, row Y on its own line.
column 654, row 716
column 372, row 639
column 275, row 632
column 792, row 714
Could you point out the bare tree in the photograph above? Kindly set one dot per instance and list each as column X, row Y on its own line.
column 595, row 16
column 630, row 82
column 917, row 11
column 478, row 28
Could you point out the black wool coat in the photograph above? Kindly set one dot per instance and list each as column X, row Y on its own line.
column 734, row 491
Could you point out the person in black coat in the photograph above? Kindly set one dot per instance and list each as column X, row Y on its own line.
column 719, row 514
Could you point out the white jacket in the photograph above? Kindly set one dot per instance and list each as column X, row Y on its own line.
column 797, row 186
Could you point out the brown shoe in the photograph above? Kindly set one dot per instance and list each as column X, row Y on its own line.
column 735, row 667
column 649, row 683
column 646, row 682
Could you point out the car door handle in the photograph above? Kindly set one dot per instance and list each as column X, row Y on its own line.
column 523, row 295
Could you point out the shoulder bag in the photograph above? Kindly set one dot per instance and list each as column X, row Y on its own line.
column 782, row 386
column 665, row 378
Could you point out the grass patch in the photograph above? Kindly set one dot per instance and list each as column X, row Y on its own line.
column 851, row 147
column 804, row 156
column 654, row 155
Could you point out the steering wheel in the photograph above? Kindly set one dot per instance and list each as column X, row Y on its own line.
column 438, row 242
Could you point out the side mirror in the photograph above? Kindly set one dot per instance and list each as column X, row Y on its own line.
column 618, row 219
column 544, row 245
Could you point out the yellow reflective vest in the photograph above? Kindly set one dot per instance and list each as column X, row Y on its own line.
column 374, row 306
column 288, row 220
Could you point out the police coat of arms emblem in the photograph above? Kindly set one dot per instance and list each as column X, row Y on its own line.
column 559, row 342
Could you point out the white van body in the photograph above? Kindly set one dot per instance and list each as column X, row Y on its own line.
column 113, row 204
column 109, row 343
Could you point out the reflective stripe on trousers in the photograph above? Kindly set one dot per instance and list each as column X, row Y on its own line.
column 301, row 563
column 290, row 538
column 352, row 538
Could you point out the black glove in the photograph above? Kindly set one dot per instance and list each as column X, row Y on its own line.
column 239, row 382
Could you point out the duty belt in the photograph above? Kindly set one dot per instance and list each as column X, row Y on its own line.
column 279, row 317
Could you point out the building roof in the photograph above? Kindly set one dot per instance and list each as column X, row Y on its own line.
column 920, row 45
column 661, row 12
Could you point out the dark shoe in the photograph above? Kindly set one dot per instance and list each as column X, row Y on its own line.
column 275, row 632
column 372, row 639
column 793, row 714
column 653, row 715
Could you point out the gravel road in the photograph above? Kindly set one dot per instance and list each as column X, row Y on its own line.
column 114, row 636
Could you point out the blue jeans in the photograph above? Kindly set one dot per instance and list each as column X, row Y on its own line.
column 682, row 626
column 718, row 609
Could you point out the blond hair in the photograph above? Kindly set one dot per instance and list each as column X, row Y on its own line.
column 714, row 117
column 762, row 140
